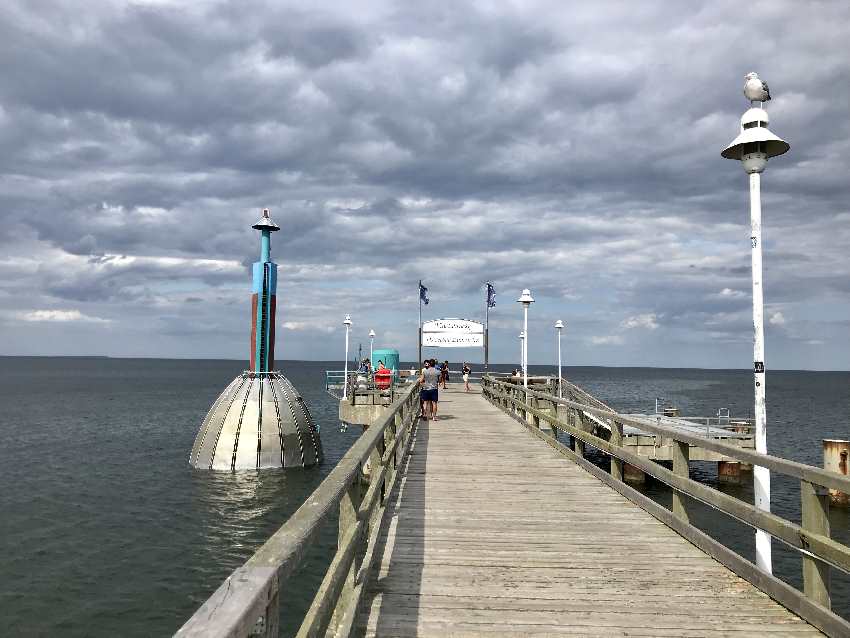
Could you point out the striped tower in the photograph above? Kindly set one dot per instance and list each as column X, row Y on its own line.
column 259, row 421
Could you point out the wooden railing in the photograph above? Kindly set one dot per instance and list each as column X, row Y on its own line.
column 247, row 603
column 812, row 538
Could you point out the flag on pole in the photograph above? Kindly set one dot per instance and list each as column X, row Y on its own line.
column 423, row 293
column 491, row 295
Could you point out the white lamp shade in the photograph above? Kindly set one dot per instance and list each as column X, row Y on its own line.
column 526, row 297
column 755, row 137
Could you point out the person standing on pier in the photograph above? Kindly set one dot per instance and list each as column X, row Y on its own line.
column 430, row 379
column 444, row 373
column 466, row 372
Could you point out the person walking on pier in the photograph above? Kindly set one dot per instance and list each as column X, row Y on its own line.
column 466, row 372
column 444, row 373
column 430, row 379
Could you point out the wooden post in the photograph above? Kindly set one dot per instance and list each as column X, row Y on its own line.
column 681, row 456
column 815, row 509
column 271, row 618
column 578, row 444
column 348, row 506
column 535, row 403
column 377, row 459
column 398, row 424
column 524, row 401
column 617, row 439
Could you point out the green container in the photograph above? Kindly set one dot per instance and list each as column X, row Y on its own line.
column 389, row 357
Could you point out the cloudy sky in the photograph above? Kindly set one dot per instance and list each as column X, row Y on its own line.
column 570, row 148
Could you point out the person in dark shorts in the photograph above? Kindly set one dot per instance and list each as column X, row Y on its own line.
column 429, row 379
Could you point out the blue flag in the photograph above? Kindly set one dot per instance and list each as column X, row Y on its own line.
column 491, row 295
column 423, row 293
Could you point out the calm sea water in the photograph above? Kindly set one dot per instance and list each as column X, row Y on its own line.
column 106, row 531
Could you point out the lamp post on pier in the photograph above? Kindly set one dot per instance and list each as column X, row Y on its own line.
column 347, row 324
column 754, row 145
column 521, row 350
column 526, row 300
column 371, row 345
column 559, row 326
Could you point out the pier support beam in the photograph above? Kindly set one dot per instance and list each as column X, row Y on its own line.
column 729, row 472
column 835, row 459
column 633, row 475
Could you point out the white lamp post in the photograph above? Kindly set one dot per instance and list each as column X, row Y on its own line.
column 347, row 324
column 371, row 344
column 754, row 145
column 526, row 300
column 521, row 350
column 559, row 326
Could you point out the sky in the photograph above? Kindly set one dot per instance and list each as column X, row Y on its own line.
column 569, row 148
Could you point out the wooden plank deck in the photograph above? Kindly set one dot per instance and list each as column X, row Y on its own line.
column 491, row 532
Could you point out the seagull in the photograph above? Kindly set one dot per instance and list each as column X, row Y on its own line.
column 756, row 89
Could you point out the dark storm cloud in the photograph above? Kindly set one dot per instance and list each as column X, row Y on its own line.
column 574, row 150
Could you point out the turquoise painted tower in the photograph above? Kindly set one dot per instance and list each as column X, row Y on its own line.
column 263, row 299
column 390, row 358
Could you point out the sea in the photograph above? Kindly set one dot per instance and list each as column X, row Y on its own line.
column 106, row 531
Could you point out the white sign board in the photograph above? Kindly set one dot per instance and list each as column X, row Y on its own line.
column 453, row 333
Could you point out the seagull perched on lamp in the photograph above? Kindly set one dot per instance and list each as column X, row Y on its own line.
column 755, row 90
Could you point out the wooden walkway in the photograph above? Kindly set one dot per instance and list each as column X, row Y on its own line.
column 491, row 532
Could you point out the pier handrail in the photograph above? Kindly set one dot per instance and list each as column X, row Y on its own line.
column 247, row 602
column 811, row 538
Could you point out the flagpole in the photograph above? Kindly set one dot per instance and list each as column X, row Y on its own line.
column 486, row 325
column 419, row 332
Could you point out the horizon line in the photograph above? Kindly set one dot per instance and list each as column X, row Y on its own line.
column 554, row 365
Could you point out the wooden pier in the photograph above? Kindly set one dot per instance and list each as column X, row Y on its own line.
column 492, row 521
column 491, row 532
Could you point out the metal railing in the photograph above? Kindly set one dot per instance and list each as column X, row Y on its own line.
column 359, row 382
column 811, row 539
column 247, row 602
column 734, row 425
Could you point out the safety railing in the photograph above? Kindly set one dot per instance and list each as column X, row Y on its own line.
column 733, row 425
column 477, row 375
column 811, row 538
column 247, row 603
column 338, row 385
